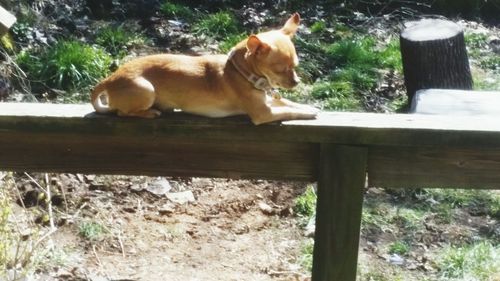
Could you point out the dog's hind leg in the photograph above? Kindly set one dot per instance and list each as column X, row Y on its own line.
column 134, row 98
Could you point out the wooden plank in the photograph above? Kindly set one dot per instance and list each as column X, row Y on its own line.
column 457, row 103
column 342, row 174
column 434, row 167
column 151, row 155
column 330, row 127
column 6, row 20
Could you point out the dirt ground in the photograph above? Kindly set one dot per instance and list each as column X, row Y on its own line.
column 230, row 230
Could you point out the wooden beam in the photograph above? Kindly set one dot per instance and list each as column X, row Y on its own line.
column 330, row 127
column 157, row 156
column 6, row 21
column 457, row 103
column 434, row 167
column 342, row 174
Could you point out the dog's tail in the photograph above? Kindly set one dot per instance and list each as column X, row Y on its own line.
column 100, row 99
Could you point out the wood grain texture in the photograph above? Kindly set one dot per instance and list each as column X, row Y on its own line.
column 436, row 167
column 342, row 174
column 457, row 103
column 157, row 156
column 329, row 127
column 434, row 56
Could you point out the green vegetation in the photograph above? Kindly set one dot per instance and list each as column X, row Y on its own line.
column 174, row 10
column 353, row 66
column 116, row 40
column 218, row 26
column 305, row 204
column 476, row 201
column 92, row 231
column 478, row 261
column 68, row 65
column 399, row 247
column 306, row 257
column 5, row 230
column 229, row 42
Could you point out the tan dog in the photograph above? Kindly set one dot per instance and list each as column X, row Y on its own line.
column 211, row 85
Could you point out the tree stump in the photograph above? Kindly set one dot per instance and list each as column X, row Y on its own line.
column 434, row 56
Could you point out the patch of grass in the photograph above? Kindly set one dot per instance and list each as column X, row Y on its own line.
column 376, row 217
column 318, row 27
column 230, row 41
column 485, row 80
column 337, row 95
column 390, row 56
column 218, row 26
column 68, row 65
column 175, row 10
column 408, row 219
column 476, row 201
column 306, row 257
column 305, row 204
column 475, row 42
column 5, row 230
column 399, row 247
column 379, row 276
column 116, row 39
column 20, row 254
column 346, row 71
column 479, row 261
column 92, row 231
column 491, row 62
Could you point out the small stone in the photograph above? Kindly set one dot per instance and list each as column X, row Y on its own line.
column 310, row 227
column 396, row 259
column 265, row 208
column 181, row 197
column 159, row 187
column 166, row 210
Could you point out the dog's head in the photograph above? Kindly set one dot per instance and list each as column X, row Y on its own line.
column 273, row 54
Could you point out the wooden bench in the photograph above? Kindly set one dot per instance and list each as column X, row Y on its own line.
column 338, row 150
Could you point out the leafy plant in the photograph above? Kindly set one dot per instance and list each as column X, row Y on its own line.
column 116, row 40
column 399, row 247
column 175, row 10
column 305, row 204
column 306, row 259
column 91, row 230
column 337, row 95
column 318, row 27
column 473, row 262
column 68, row 65
column 219, row 25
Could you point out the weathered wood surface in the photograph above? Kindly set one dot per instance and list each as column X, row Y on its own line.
column 428, row 150
column 329, row 127
column 434, row 167
column 457, row 103
column 434, row 56
column 337, row 150
column 341, row 180
column 6, row 20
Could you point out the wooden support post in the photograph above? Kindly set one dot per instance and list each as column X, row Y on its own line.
column 342, row 175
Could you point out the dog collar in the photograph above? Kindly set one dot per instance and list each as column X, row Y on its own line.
column 258, row 82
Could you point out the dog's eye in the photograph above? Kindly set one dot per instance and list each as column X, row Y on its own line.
column 282, row 68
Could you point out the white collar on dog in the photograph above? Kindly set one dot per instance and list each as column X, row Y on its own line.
column 258, row 82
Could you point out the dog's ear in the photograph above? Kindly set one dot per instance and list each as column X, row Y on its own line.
column 291, row 25
column 256, row 47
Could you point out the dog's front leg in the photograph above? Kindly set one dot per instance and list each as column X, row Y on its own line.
column 274, row 109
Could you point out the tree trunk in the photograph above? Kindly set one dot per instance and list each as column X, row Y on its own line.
column 434, row 56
